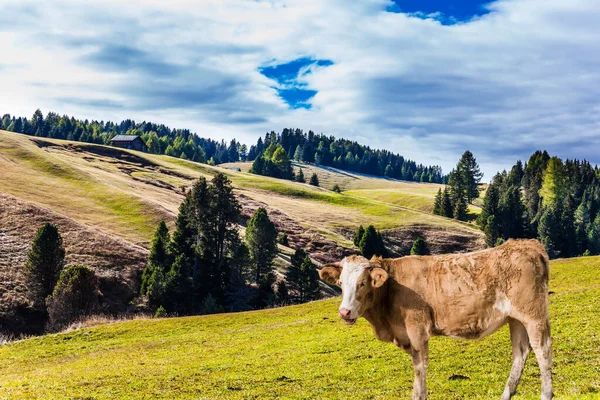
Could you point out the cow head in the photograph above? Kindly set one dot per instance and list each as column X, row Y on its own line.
column 358, row 278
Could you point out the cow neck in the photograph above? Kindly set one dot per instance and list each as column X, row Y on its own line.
column 376, row 315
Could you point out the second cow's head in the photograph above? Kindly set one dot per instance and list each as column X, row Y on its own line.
column 358, row 278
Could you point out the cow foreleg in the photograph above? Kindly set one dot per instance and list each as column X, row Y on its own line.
column 420, row 359
column 520, row 351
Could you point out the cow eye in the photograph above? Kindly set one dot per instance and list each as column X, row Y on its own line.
column 363, row 283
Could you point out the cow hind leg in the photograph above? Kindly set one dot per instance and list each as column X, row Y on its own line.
column 520, row 351
column 541, row 343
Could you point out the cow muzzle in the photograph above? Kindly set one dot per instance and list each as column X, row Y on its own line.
column 346, row 315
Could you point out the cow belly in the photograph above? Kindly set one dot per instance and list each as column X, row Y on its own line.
column 472, row 320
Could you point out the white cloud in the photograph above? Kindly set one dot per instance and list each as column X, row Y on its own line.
column 522, row 77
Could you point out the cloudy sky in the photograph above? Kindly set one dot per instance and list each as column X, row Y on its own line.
column 422, row 78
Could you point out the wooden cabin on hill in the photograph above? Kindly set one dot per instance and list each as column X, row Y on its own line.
column 132, row 142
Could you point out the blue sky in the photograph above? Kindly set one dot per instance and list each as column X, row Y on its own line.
column 426, row 79
column 450, row 12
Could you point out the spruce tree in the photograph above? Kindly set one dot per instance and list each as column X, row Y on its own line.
column 159, row 257
column 513, row 214
column 314, row 179
column 183, row 240
column 492, row 231
column 437, row 204
column 309, row 283
column 358, row 235
column 471, row 175
column 302, row 277
column 491, row 206
column 298, row 153
column 447, row 208
column 219, row 234
column 553, row 183
column 371, row 243
column 261, row 237
column 283, row 296
column 300, row 176
column 594, row 236
column 460, row 211
column 419, row 247
column 75, row 295
column 548, row 232
column 178, row 286
column 45, row 262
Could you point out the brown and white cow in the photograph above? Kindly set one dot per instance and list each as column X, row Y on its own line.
column 410, row 299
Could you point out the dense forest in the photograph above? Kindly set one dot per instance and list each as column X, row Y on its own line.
column 554, row 201
column 339, row 153
column 160, row 139
column 203, row 267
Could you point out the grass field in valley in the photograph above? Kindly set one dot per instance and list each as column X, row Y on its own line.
column 300, row 352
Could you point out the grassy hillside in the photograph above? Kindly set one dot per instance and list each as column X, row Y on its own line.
column 126, row 192
column 300, row 352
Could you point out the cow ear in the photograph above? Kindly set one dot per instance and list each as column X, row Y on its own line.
column 330, row 273
column 378, row 277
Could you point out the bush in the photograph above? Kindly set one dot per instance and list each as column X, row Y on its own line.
column 419, row 247
column 76, row 295
column 160, row 312
column 283, row 239
column 336, row 188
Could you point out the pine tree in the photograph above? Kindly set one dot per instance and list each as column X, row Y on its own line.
column 183, row 240
column 261, row 237
column 419, row 247
column 460, row 211
column 314, row 179
column 75, row 295
column 371, row 243
column 492, row 231
column 309, row 284
column 159, row 257
column 298, row 153
column 594, row 236
column 513, row 214
column 300, row 176
column 470, row 175
column 553, row 183
column 178, row 287
column 219, row 234
column 491, row 206
column 358, row 235
column 437, row 204
column 45, row 262
column 548, row 232
column 447, row 204
column 283, row 296
column 302, row 277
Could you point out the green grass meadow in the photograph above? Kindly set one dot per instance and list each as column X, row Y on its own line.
column 300, row 352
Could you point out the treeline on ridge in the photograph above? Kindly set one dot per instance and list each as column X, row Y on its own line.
column 160, row 139
column 272, row 156
column 182, row 143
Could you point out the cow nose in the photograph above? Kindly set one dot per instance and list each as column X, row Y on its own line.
column 344, row 313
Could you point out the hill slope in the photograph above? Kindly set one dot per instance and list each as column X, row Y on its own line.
column 126, row 193
column 300, row 352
